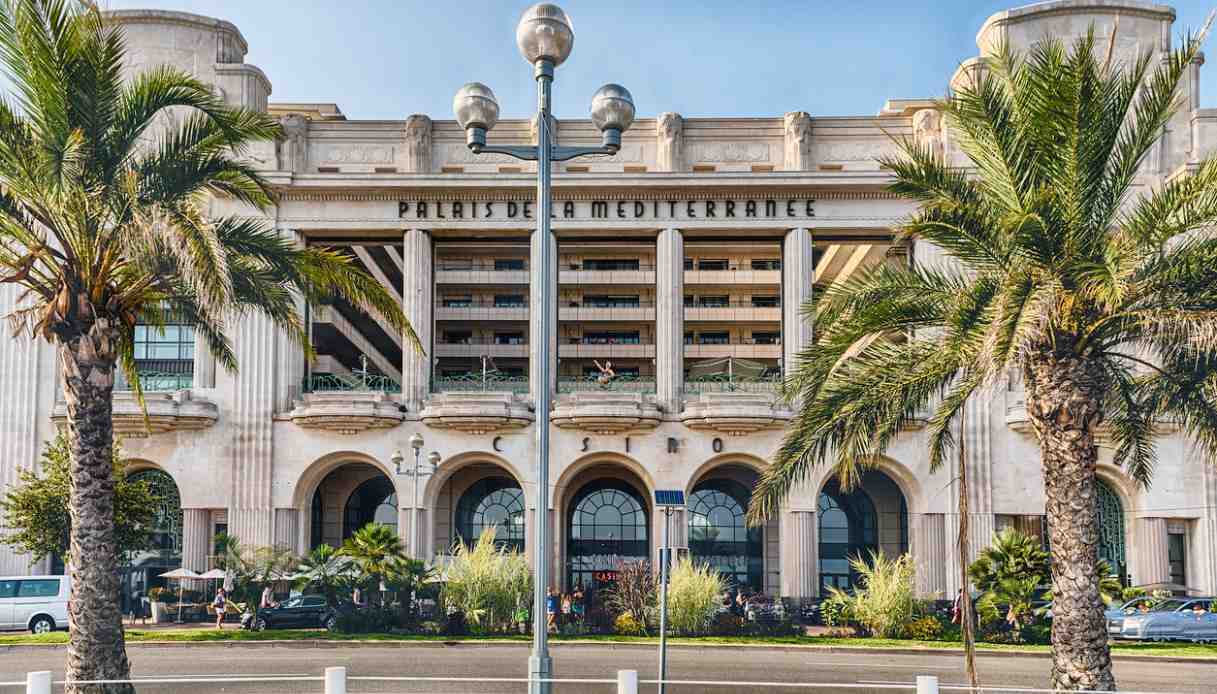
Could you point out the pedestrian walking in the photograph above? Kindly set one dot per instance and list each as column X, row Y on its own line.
column 220, row 603
column 551, row 609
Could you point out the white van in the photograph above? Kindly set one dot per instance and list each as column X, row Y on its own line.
column 37, row 603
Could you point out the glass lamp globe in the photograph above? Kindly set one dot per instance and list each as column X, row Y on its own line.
column 475, row 106
column 545, row 33
column 612, row 108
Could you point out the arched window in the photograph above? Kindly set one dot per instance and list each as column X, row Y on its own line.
column 167, row 526
column 848, row 528
column 492, row 502
column 719, row 535
column 1111, row 528
column 607, row 525
column 374, row 501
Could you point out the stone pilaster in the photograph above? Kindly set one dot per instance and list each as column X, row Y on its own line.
column 798, row 274
column 1208, row 536
column 800, row 555
column 405, row 526
column 290, row 384
column 204, row 364
column 418, row 303
column 930, row 531
column 20, row 373
column 669, row 319
column 287, row 529
column 535, row 337
column 196, row 538
column 251, row 448
column 1152, row 550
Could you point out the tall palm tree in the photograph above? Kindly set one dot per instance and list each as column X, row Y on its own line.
column 103, row 223
column 376, row 550
column 1101, row 297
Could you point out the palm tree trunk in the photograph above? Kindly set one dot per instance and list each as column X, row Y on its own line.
column 967, row 617
column 1063, row 405
column 96, row 647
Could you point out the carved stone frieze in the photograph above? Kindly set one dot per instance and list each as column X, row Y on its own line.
column 730, row 152
column 292, row 148
column 418, row 144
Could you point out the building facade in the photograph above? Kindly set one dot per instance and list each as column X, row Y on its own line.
column 683, row 263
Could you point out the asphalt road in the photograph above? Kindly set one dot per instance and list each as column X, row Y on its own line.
column 590, row 662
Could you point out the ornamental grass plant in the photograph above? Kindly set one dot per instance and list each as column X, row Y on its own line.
column 883, row 601
column 487, row 584
column 695, row 593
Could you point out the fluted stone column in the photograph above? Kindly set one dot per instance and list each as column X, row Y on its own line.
column 669, row 319
column 1153, row 551
column 931, row 555
column 287, row 529
column 536, row 389
column 204, row 365
column 800, row 555
column 251, row 448
column 20, row 374
column 196, row 538
column 405, row 527
column 418, row 303
column 798, row 274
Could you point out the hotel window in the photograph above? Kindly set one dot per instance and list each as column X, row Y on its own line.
column 706, row 264
column 688, row 263
column 610, row 264
column 718, row 338
column 509, row 264
column 458, row 301
column 766, row 338
column 765, row 302
column 1176, row 547
column 509, row 301
column 688, row 338
column 714, row 302
column 509, row 338
column 458, row 337
column 766, row 264
column 612, row 337
column 164, row 360
column 611, row 301
column 689, row 299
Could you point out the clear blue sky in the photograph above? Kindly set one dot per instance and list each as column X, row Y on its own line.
column 391, row 58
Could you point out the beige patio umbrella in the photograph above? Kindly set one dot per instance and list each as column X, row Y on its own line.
column 180, row 575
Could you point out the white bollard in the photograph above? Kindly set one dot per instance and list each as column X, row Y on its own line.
column 627, row 682
column 336, row 680
column 927, row 684
column 38, row 682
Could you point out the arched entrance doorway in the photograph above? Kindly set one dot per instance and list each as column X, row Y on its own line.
column 1111, row 529
column 719, row 535
column 348, row 498
column 870, row 517
column 145, row 568
column 608, row 524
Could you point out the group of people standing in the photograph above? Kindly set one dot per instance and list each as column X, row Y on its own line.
column 563, row 609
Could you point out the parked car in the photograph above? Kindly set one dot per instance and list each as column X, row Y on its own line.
column 1183, row 619
column 300, row 612
column 37, row 603
column 1115, row 615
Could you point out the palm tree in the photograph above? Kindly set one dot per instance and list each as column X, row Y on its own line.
column 376, row 550
column 324, row 569
column 1009, row 572
column 1103, row 300
column 103, row 222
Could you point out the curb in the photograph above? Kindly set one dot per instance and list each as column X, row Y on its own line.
column 610, row 645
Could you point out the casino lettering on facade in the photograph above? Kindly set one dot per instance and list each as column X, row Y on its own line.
column 435, row 210
column 683, row 263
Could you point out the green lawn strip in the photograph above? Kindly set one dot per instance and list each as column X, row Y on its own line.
column 235, row 635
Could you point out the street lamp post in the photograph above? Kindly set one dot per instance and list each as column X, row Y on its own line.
column 416, row 442
column 545, row 38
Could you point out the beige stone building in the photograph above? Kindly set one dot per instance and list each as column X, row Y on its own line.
column 683, row 262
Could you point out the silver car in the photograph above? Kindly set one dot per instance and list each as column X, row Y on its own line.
column 1182, row 619
column 1115, row 615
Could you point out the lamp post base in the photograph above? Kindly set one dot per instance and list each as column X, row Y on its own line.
column 539, row 669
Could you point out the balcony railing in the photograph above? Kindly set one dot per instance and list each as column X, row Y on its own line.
column 732, row 303
column 480, row 303
column 476, row 266
column 330, row 383
column 157, row 381
column 473, row 382
column 728, row 384
column 483, row 341
column 596, row 384
column 737, row 341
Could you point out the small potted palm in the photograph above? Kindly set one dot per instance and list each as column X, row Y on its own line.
column 160, row 611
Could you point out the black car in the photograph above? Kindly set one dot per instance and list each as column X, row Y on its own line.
column 300, row 612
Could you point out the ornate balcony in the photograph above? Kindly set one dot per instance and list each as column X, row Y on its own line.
column 612, row 407
column 477, row 412
column 349, row 404
column 734, row 412
column 167, row 411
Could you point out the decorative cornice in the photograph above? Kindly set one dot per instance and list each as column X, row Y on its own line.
column 290, row 195
column 606, row 413
column 476, row 413
column 347, row 413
